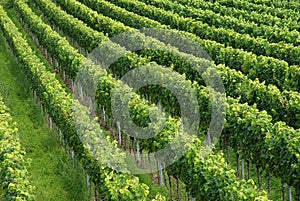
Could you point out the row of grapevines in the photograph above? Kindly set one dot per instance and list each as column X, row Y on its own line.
column 13, row 164
column 94, row 4
column 59, row 105
column 248, row 6
column 209, row 187
column 282, row 106
column 259, row 46
column 105, row 100
column 99, row 5
column 249, row 131
column 233, row 189
column 102, row 99
column 256, row 17
column 271, row 33
column 268, row 69
column 294, row 5
column 86, row 38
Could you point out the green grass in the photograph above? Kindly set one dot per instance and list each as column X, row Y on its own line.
column 51, row 170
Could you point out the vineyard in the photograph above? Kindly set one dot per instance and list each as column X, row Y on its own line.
column 149, row 100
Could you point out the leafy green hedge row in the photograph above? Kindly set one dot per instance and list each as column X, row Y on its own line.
column 201, row 179
column 248, row 6
column 14, row 176
column 231, row 191
column 249, row 131
column 268, row 69
column 271, row 33
column 59, row 104
column 254, row 16
column 281, row 105
column 105, row 97
column 86, row 37
column 165, row 97
column 259, row 46
column 293, row 5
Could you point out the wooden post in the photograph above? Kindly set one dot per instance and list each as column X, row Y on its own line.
column 42, row 109
column 290, row 193
column 238, row 165
column 150, row 164
column 35, row 96
column 249, row 172
column 104, row 117
column 157, row 167
column 171, row 188
column 283, row 189
column 258, row 177
column 81, row 92
column 119, row 133
column 73, row 155
column 87, row 179
column 131, row 143
column 51, row 125
column 161, row 179
column 142, row 159
column 243, row 169
column 138, row 151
